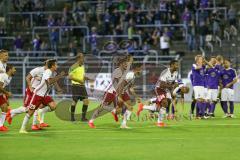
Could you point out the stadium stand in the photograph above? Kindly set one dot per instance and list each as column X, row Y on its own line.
column 38, row 28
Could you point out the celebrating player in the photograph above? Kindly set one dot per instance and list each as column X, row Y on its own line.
column 228, row 79
column 213, row 78
column 3, row 60
column 5, row 79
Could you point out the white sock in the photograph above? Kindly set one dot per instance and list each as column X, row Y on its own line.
column 35, row 118
column 161, row 115
column 126, row 115
column 151, row 108
column 42, row 113
column 129, row 114
column 25, row 121
column 114, row 110
column 19, row 110
column 2, row 118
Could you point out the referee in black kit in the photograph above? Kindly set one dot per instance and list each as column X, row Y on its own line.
column 79, row 92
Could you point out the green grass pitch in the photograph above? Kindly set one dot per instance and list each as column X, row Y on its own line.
column 213, row 139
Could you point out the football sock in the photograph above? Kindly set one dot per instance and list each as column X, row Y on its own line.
column 25, row 121
column 35, row 118
column 151, row 107
column 231, row 107
column 19, row 110
column 42, row 113
column 2, row 118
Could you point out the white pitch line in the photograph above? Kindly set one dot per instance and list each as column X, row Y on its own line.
column 106, row 130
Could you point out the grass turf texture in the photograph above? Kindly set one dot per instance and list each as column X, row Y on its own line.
column 182, row 140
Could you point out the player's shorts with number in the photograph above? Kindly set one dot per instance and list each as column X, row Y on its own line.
column 36, row 101
column 227, row 94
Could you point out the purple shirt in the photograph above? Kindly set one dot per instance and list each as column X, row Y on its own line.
column 227, row 76
column 198, row 76
column 212, row 77
column 219, row 67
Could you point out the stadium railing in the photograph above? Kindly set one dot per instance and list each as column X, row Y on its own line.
column 111, row 38
column 164, row 25
column 19, row 54
column 35, row 13
column 224, row 9
column 60, row 29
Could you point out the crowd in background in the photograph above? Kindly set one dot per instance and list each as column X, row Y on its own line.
column 121, row 18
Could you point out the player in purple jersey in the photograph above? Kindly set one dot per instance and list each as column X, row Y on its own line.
column 198, row 76
column 212, row 81
column 228, row 79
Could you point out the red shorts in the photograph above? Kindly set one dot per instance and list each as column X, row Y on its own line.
column 36, row 101
column 28, row 97
column 160, row 98
column 109, row 98
column 125, row 97
column 160, row 91
column 3, row 99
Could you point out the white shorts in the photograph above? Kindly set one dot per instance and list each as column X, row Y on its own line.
column 212, row 94
column 200, row 92
column 227, row 94
column 168, row 95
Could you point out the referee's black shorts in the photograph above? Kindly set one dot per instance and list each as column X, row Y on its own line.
column 79, row 92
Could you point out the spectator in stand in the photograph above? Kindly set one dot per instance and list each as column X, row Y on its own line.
column 44, row 46
column 54, row 40
column 165, row 42
column 186, row 17
column 107, row 18
column 126, row 20
column 204, row 3
column 191, row 36
column 155, row 36
column 203, row 31
column 39, row 6
column 50, row 21
column 215, row 23
column 118, row 31
column 3, row 33
column 115, row 18
column 157, row 18
column 36, row 44
column 232, row 16
column 130, row 29
column 18, row 45
column 93, row 41
column 72, row 50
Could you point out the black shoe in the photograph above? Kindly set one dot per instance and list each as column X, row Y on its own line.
column 84, row 120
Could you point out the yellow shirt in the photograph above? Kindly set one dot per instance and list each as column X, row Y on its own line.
column 78, row 73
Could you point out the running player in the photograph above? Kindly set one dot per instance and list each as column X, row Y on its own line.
column 3, row 60
column 127, row 86
column 109, row 102
column 5, row 79
column 228, row 79
column 40, row 95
